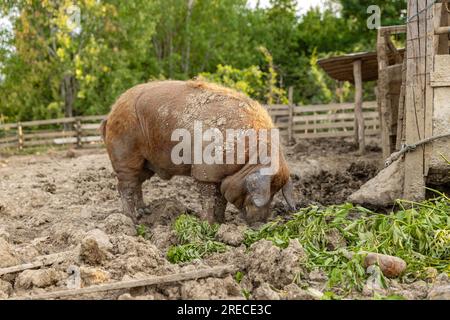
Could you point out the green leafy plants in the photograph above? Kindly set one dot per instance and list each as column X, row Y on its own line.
column 142, row 231
column 419, row 233
column 196, row 239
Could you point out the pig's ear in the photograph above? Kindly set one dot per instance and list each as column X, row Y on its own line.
column 287, row 194
column 258, row 187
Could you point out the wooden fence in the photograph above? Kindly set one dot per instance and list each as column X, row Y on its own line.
column 74, row 130
column 327, row 120
column 312, row 121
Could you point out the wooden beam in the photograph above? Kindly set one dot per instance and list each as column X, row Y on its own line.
column 442, row 30
column 442, row 19
column 382, row 98
column 401, row 110
column 392, row 29
column 357, row 75
column 414, row 182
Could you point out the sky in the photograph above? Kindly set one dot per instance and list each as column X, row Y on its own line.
column 302, row 5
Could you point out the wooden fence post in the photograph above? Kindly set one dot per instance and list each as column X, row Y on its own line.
column 416, row 48
column 357, row 74
column 79, row 131
column 19, row 136
column 291, row 116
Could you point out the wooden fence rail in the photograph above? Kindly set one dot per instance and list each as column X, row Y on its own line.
column 294, row 122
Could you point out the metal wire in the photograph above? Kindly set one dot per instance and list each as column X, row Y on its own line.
column 408, row 20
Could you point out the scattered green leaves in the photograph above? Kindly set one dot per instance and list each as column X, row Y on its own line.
column 238, row 276
column 190, row 229
column 142, row 231
column 419, row 234
column 196, row 239
column 195, row 250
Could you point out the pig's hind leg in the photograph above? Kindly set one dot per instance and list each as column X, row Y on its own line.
column 131, row 173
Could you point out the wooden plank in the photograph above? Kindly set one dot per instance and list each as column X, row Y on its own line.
column 284, row 109
column 93, row 118
column 393, row 29
column 41, row 142
column 433, row 19
column 442, row 46
column 8, row 139
column 47, row 122
column 8, row 145
column 442, row 30
column 333, row 134
column 335, row 116
column 8, row 126
column 415, row 92
column 274, row 113
column 334, row 125
column 57, row 134
column 440, row 77
column 395, row 72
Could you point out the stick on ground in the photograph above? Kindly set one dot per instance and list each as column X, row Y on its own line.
column 39, row 262
column 203, row 273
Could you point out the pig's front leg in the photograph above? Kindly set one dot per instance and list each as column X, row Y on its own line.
column 213, row 202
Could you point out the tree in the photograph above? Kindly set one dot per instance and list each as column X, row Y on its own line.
column 67, row 69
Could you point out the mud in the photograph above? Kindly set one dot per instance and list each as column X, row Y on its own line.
column 62, row 201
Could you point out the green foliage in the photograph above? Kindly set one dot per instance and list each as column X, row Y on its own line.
column 190, row 229
column 246, row 294
column 196, row 239
column 248, row 80
column 420, row 235
column 142, row 231
column 47, row 67
column 52, row 59
column 195, row 250
column 238, row 276
column 252, row 81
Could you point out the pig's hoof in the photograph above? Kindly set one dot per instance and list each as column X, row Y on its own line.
column 143, row 211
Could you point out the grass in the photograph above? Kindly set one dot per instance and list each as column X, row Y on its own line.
column 141, row 231
column 195, row 238
column 419, row 234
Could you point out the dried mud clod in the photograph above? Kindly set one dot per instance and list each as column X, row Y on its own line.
column 162, row 212
column 278, row 267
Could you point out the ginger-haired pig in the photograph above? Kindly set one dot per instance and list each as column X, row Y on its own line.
column 139, row 137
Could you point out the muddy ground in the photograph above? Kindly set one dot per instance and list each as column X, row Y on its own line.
column 61, row 201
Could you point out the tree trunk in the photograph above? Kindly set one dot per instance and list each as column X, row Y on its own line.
column 187, row 55
column 68, row 90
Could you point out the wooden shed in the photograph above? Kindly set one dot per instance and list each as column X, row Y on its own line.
column 357, row 68
column 414, row 105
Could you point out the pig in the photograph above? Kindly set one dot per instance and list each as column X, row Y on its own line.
column 138, row 134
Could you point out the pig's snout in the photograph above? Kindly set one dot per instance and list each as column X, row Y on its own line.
column 253, row 214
